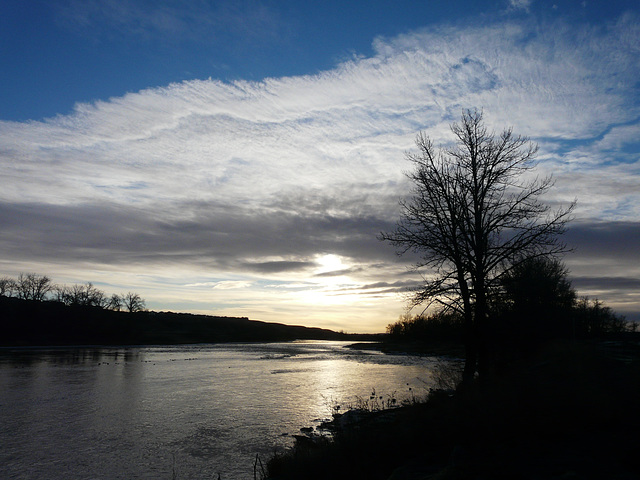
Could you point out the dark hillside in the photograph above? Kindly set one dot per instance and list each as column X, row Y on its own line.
column 34, row 323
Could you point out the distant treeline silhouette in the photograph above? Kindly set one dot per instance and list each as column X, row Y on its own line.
column 31, row 286
column 35, row 312
column 536, row 304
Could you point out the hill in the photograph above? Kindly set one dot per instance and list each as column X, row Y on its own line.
column 40, row 323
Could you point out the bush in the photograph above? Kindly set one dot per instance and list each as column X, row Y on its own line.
column 438, row 327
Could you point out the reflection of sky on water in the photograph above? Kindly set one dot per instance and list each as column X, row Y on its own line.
column 125, row 413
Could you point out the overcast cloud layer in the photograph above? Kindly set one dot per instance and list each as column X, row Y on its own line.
column 265, row 198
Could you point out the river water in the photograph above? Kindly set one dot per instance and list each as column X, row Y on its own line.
column 180, row 412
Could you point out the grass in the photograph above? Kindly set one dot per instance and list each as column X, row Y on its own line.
column 570, row 412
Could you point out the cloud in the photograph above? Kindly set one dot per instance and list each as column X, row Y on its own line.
column 341, row 128
column 520, row 4
column 339, row 273
column 606, row 263
column 231, row 285
column 616, row 241
column 378, row 288
column 171, row 20
column 278, row 266
column 209, row 234
column 608, row 283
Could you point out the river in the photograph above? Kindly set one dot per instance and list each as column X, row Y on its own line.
column 180, row 412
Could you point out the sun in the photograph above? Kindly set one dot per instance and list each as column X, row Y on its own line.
column 329, row 263
column 329, row 277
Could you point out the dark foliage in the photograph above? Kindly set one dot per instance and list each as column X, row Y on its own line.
column 538, row 304
column 535, row 303
column 439, row 327
column 592, row 319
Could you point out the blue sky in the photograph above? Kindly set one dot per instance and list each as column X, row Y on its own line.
column 58, row 53
column 239, row 157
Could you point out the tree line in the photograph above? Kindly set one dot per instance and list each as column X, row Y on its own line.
column 32, row 286
column 536, row 303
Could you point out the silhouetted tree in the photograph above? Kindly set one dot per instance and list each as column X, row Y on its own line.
column 133, row 302
column 115, row 302
column 535, row 305
column 538, row 283
column 439, row 327
column 7, row 286
column 471, row 215
column 31, row 286
column 60, row 293
column 591, row 318
column 85, row 295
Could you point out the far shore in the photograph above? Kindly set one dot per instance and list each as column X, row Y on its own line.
column 28, row 323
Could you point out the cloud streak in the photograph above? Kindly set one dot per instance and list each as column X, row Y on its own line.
column 171, row 21
column 255, row 181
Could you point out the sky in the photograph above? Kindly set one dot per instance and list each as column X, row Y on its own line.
column 241, row 157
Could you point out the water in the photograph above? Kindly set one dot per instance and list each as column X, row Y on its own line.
column 184, row 412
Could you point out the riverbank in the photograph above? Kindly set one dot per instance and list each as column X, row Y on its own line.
column 569, row 413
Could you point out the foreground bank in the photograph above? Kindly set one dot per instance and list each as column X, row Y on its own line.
column 569, row 413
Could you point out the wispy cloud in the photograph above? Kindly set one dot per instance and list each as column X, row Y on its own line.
column 231, row 284
column 172, row 20
column 520, row 4
column 256, row 179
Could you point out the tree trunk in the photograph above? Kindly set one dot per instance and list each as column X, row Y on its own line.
column 470, row 361
column 470, row 337
column 482, row 335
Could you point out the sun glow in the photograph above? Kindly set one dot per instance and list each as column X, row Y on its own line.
column 329, row 263
column 331, row 284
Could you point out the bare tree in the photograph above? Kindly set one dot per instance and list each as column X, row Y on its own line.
column 85, row 295
column 7, row 286
column 61, row 294
column 133, row 302
column 471, row 217
column 115, row 302
column 31, row 286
